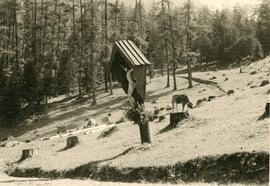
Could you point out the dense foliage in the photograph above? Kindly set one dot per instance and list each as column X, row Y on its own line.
column 55, row 47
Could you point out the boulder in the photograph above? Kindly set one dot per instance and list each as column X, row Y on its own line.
column 156, row 111
column 120, row 120
column 168, row 108
column 61, row 129
column 212, row 78
column 106, row 120
column 264, row 83
column 12, row 143
column 4, row 137
column 108, row 132
column 161, row 118
column 253, row 73
column 230, row 92
column 92, row 123
column 199, row 101
column 210, row 98
column 226, row 79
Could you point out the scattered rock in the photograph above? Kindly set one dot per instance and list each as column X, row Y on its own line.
column 92, row 123
column 168, row 108
column 46, row 139
column 249, row 83
column 108, row 132
column 109, row 114
column 61, row 129
column 253, row 73
column 241, row 70
column 264, row 83
column 161, row 118
column 161, row 109
column 200, row 101
column 210, row 98
column 12, row 144
column 106, row 120
column 120, row 120
column 26, row 141
column 230, row 92
column 156, row 111
column 212, row 78
column 4, row 137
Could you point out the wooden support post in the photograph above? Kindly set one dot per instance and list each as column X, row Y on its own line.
column 145, row 132
column 72, row 141
column 176, row 117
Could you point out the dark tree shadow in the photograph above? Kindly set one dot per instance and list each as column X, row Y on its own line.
column 166, row 129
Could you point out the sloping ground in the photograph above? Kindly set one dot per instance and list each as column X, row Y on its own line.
column 238, row 167
column 226, row 125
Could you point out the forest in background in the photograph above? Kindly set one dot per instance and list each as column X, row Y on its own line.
column 58, row 47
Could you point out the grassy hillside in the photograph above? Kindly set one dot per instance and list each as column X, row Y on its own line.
column 224, row 125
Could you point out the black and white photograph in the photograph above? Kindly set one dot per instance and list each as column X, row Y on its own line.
column 134, row 92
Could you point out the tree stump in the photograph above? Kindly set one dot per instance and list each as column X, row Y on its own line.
column 72, row 141
column 27, row 153
column 266, row 113
column 177, row 117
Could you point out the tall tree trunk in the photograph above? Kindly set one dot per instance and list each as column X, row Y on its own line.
column 166, row 44
column 17, row 65
column 173, row 47
column 115, row 20
column 93, row 69
column 187, row 46
column 34, row 52
column 81, row 51
column 105, row 62
column 140, row 19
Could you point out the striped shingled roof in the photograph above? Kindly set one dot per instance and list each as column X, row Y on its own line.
column 131, row 53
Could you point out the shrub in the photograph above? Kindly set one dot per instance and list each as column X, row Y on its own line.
column 245, row 47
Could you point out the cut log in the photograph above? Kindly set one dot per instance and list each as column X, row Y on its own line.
column 27, row 153
column 177, row 117
column 72, row 141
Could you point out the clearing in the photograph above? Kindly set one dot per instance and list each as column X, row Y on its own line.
column 227, row 124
